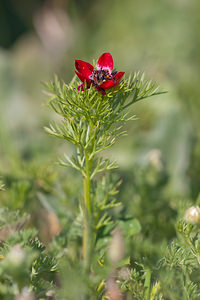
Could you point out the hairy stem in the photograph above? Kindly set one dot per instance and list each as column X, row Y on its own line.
column 88, row 234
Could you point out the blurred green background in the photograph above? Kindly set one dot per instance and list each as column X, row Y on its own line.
column 160, row 38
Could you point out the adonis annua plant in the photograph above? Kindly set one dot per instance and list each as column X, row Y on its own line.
column 92, row 114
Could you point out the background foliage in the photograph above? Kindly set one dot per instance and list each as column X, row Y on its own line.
column 159, row 159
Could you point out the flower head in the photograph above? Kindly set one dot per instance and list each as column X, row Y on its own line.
column 102, row 77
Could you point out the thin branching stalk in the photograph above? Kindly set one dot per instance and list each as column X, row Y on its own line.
column 88, row 233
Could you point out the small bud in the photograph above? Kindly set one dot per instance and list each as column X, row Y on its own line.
column 16, row 262
column 16, row 256
column 192, row 214
column 116, row 249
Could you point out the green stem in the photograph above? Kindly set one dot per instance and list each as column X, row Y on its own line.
column 147, row 284
column 88, row 234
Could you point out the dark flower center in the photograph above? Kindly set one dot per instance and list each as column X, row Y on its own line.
column 100, row 76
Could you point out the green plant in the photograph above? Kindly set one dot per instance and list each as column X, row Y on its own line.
column 92, row 122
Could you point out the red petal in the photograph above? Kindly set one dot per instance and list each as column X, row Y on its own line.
column 90, row 66
column 105, row 62
column 83, row 78
column 108, row 84
column 119, row 76
column 115, row 81
column 84, row 68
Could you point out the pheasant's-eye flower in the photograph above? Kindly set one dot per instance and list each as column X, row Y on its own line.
column 102, row 77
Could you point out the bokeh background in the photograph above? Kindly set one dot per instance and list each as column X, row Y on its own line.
column 160, row 38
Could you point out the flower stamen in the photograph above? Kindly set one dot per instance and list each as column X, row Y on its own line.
column 100, row 76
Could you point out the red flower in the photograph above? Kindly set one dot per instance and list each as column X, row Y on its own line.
column 102, row 77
